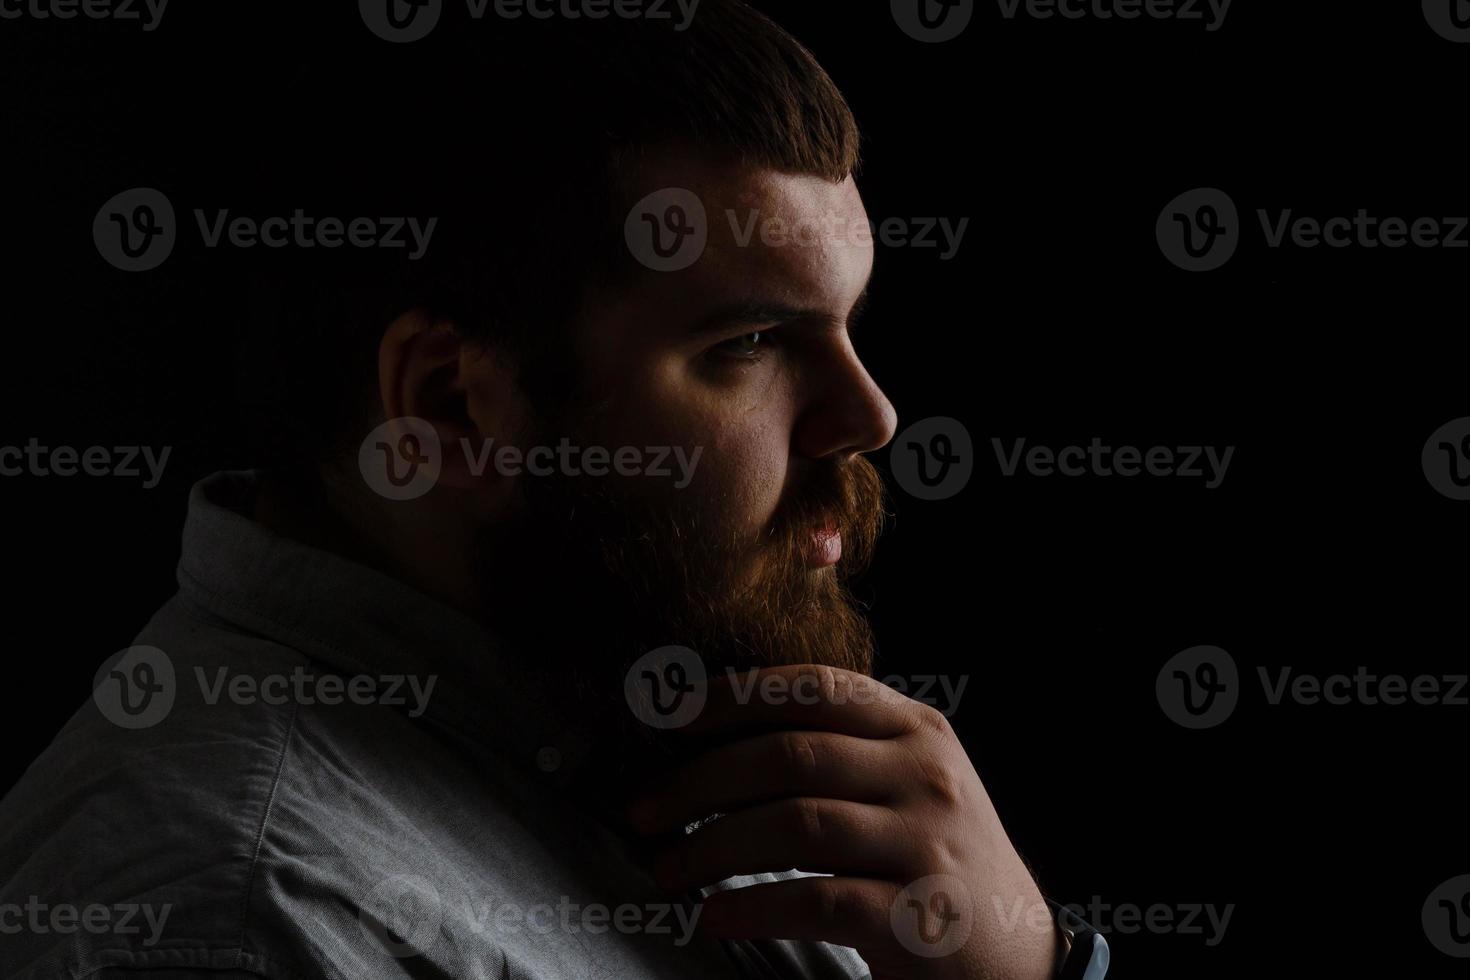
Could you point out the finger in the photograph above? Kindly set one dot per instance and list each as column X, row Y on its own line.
column 764, row 768
column 828, row 836
column 810, row 696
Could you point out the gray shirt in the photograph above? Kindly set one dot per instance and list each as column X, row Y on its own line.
column 303, row 768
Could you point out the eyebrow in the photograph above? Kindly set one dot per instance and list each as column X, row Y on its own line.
column 743, row 314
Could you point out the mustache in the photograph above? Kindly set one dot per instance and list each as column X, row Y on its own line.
column 849, row 496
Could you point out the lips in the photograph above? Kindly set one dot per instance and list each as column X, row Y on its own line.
column 826, row 546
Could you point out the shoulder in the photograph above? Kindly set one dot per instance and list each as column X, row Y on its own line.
column 148, row 835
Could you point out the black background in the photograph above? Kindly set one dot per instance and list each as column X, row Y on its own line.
column 1325, row 548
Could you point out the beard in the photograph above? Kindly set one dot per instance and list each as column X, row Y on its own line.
column 591, row 573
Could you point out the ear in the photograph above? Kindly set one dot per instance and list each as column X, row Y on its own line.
column 428, row 371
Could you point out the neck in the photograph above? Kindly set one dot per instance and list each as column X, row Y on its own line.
column 411, row 544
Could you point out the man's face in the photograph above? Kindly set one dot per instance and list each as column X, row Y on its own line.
column 746, row 353
column 743, row 363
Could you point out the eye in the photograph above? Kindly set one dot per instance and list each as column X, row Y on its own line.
column 746, row 347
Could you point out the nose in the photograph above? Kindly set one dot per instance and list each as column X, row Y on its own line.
column 846, row 413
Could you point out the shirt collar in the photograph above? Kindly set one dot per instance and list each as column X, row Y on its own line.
column 355, row 620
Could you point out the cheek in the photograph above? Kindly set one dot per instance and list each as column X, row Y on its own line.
column 743, row 443
column 742, row 470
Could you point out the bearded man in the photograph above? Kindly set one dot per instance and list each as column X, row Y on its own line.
column 527, row 648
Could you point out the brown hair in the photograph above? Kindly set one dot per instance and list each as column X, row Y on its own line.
column 516, row 136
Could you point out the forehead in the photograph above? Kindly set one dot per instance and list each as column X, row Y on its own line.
column 768, row 238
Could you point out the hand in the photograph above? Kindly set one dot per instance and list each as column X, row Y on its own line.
column 844, row 776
